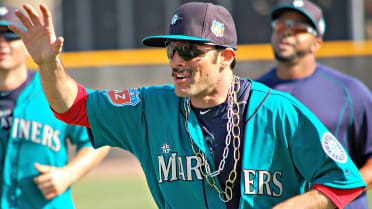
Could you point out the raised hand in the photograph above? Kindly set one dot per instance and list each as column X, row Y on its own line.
column 40, row 38
column 44, row 47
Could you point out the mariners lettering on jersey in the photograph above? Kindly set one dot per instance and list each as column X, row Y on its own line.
column 37, row 133
column 6, row 118
column 261, row 182
column 173, row 168
column 123, row 97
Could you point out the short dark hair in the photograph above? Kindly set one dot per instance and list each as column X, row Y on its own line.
column 220, row 48
column 233, row 63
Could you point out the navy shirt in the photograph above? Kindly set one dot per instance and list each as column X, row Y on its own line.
column 213, row 122
column 342, row 103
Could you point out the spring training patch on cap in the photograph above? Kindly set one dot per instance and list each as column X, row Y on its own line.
column 123, row 97
column 217, row 28
column 333, row 148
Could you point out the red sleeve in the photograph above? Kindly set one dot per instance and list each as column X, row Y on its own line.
column 340, row 197
column 77, row 114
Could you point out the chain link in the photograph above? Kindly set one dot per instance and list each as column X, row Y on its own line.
column 232, row 126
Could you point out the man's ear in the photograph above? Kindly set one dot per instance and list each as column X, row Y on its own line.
column 228, row 55
column 316, row 45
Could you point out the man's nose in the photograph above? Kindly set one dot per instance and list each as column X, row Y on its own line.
column 177, row 60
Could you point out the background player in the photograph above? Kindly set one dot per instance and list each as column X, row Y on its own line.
column 34, row 169
column 201, row 142
column 341, row 102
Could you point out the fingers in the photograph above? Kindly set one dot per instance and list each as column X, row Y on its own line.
column 43, row 183
column 32, row 14
column 50, row 195
column 48, row 185
column 42, row 180
column 42, row 168
column 47, row 188
column 17, row 30
column 33, row 17
column 24, row 19
column 47, row 17
column 45, row 177
column 58, row 45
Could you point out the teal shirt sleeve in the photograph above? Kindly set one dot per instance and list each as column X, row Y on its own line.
column 117, row 118
column 78, row 135
column 317, row 155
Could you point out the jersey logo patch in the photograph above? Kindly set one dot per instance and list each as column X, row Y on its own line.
column 333, row 148
column 124, row 97
column 166, row 148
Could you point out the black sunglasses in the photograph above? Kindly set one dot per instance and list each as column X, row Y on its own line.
column 186, row 50
column 9, row 35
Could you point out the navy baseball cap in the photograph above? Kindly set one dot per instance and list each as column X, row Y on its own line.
column 306, row 8
column 7, row 17
column 200, row 22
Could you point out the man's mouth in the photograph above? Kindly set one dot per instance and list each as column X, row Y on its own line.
column 182, row 73
column 284, row 43
column 2, row 54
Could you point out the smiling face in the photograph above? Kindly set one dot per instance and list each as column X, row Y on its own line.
column 201, row 72
column 197, row 76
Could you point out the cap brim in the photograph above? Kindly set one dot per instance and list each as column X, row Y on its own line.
column 159, row 41
column 276, row 11
column 7, row 23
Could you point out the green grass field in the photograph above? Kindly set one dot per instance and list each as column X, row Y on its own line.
column 117, row 193
column 114, row 193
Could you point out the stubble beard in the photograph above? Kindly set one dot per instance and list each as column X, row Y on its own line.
column 290, row 58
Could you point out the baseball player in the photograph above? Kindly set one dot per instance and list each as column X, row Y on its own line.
column 342, row 103
column 211, row 140
column 35, row 170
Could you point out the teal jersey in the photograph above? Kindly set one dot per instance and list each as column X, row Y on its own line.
column 36, row 136
column 286, row 149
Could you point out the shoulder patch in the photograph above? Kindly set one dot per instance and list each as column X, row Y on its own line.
column 333, row 148
column 123, row 97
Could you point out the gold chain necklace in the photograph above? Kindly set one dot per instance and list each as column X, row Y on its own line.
column 232, row 126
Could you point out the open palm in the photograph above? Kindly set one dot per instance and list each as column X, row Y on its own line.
column 39, row 39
